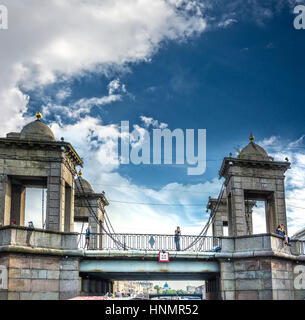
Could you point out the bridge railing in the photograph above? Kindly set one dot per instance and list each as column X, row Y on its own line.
column 147, row 242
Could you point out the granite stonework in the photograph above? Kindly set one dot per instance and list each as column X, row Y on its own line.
column 33, row 158
column 253, row 176
column 259, row 267
column 45, row 267
column 22, row 236
column 90, row 207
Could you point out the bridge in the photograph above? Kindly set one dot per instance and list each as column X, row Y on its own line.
column 53, row 263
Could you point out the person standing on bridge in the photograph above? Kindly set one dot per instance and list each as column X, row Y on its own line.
column 88, row 234
column 177, row 238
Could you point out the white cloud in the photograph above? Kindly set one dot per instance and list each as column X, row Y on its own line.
column 82, row 107
column 226, row 23
column 51, row 40
column 151, row 122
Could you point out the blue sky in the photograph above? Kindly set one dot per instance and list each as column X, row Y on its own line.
column 230, row 67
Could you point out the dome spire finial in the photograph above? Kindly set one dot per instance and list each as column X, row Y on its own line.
column 251, row 138
column 38, row 115
column 80, row 173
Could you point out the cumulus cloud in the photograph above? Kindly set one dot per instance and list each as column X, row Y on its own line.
column 226, row 23
column 151, row 122
column 48, row 41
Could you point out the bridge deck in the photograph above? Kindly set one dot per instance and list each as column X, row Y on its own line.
column 137, row 265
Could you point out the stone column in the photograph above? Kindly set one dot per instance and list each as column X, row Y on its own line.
column 55, row 193
column 18, row 204
column 280, row 206
column 5, row 200
column 227, row 282
column 237, row 216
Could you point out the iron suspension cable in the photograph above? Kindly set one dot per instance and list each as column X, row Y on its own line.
column 90, row 208
column 210, row 220
column 124, row 246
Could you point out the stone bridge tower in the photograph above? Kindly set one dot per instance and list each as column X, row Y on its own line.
column 221, row 220
column 33, row 158
column 86, row 198
column 254, row 176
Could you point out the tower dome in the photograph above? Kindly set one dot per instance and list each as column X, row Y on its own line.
column 82, row 185
column 253, row 151
column 37, row 130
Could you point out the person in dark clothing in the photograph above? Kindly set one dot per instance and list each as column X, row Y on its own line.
column 281, row 232
column 177, row 238
column 88, row 234
column 31, row 225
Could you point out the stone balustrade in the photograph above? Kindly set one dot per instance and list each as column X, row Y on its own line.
column 260, row 244
column 38, row 238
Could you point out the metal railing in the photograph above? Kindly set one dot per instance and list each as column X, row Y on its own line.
column 148, row 242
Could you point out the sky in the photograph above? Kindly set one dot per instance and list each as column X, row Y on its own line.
column 230, row 67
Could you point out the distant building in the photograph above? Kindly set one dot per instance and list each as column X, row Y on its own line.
column 134, row 287
column 201, row 290
column 190, row 289
column 300, row 235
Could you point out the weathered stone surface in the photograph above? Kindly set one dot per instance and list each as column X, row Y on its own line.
column 44, row 285
column 3, row 295
column 69, row 275
column 68, row 264
column 228, row 285
column 19, row 285
column 53, row 274
column 283, row 295
column 19, row 262
column 39, row 295
column 46, row 263
column 265, row 294
column 263, row 274
column 42, row 274
column 25, row 273
column 227, row 266
column 247, row 295
column 266, row 283
column 265, row 264
column 69, row 285
column 229, row 295
column 227, row 276
column 13, row 295
column 246, row 265
column 14, row 273
column 245, row 275
column 246, row 284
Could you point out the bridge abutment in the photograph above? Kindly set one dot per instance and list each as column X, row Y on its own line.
column 38, row 264
column 260, row 267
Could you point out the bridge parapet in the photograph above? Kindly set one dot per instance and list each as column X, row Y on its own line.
column 258, row 267
column 39, row 238
column 260, row 244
